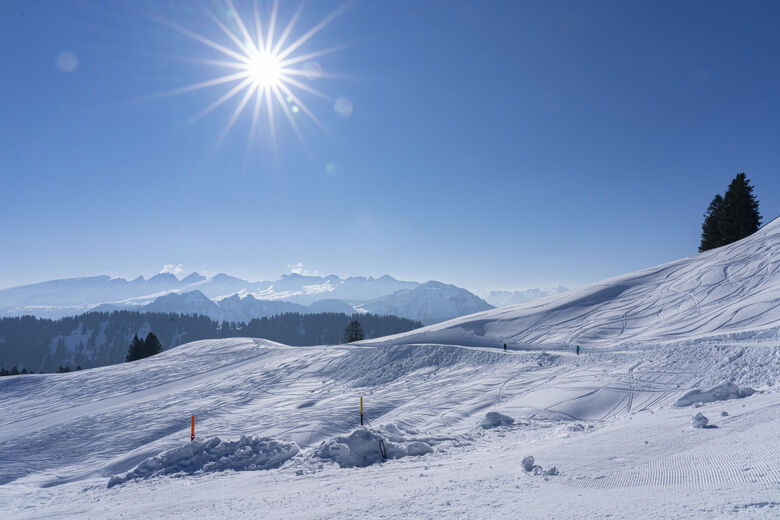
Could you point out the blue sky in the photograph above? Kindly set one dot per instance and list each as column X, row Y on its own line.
column 490, row 144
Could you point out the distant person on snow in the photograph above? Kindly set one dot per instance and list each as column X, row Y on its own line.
column 578, row 350
column 504, row 347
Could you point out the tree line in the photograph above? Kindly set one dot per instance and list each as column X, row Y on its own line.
column 100, row 338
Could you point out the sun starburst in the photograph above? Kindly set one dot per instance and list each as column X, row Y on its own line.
column 265, row 71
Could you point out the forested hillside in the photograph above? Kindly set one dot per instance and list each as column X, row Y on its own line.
column 100, row 338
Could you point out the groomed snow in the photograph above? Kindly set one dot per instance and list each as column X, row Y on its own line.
column 605, row 421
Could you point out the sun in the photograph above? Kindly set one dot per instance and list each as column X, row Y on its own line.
column 265, row 70
column 266, row 74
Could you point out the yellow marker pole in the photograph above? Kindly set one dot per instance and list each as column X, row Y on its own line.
column 361, row 410
column 192, row 431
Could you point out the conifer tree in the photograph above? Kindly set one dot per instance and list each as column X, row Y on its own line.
column 710, row 229
column 740, row 211
column 136, row 349
column 731, row 217
column 353, row 332
column 152, row 345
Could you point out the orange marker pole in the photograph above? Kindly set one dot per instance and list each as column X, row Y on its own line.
column 192, row 431
column 361, row 411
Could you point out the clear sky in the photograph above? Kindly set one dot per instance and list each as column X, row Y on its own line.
column 486, row 144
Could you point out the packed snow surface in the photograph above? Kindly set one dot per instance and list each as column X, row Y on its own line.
column 281, row 430
column 601, row 425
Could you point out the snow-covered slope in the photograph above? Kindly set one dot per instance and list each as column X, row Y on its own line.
column 674, row 415
column 725, row 291
column 430, row 302
column 114, row 441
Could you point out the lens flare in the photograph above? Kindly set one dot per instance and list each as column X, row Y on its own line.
column 264, row 68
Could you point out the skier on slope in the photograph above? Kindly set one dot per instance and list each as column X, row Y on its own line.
column 504, row 347
column 578, row 350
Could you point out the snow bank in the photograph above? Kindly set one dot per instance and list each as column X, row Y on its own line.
column 367, row 446
column 722, row 392
column 699, row 421
column 495, row 419
column 247, row 453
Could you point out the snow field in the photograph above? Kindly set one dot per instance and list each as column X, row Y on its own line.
column 680, row 473
column 450, row 417
column 422, row 399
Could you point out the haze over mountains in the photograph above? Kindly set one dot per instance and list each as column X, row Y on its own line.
column 503, row 298
column 225, row 297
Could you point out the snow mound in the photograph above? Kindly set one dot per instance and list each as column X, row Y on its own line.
column 529, row 466
column 247, row 453
column 579, row 427
column 699, row 420
column 722, row 392
column 495, row 419
column 366, row 446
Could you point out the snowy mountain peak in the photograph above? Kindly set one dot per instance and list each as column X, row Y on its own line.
column 429, row 302
column 164, row 278
column 191, row 278
column 222, row 277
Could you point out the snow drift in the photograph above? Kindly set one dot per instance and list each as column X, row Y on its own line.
column 248, row 453
column 722, row 392
column 495, row 419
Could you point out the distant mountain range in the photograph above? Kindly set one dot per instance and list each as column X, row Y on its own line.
column 224, row 297
column 232, row 308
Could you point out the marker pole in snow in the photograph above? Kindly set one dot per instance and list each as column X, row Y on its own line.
column 361, row 411
column 192, row 430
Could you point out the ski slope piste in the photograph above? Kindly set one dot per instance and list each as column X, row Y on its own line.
column 670, row 411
